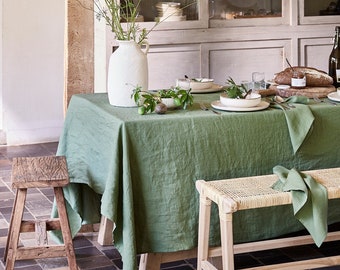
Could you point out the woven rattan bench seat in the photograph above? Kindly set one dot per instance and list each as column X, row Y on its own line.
column 237, row 194
column 256, row 191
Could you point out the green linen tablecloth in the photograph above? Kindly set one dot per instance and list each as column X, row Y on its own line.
column 140, row 170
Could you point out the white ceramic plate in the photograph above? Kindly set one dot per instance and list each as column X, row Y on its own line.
column 214, row 88
column 334, row 96
column 218, row 105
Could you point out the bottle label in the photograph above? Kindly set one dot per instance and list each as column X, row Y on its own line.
column 338, row 75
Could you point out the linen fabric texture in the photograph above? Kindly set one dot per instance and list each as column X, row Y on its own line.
column 140, row 170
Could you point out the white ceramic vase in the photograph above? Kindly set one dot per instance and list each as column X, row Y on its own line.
column 128, row 68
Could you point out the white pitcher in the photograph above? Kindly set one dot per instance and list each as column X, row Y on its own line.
column 128, row 68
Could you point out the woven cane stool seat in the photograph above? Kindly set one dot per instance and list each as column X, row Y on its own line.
column 39, row 172
column 237, row 194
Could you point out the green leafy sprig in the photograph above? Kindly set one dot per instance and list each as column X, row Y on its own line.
column 148, row 101
column 181, row 96
column 234, row 90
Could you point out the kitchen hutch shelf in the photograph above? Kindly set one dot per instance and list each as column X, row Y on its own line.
column 213, row 44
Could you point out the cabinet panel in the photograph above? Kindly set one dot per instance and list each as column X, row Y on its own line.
column 239, row 60
column 168, row 63
column 315, row 52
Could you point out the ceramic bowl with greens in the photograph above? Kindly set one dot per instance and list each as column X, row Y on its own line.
column 196, row 83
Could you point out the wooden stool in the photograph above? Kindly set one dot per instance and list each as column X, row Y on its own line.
column 39, row 172
column 249, row 193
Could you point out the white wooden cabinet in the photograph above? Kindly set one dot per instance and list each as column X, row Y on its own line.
column 219, row 48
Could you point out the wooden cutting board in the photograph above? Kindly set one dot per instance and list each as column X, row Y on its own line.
column 310, row 92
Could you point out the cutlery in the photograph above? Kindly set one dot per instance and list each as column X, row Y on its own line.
column 280, row 100
column 283, row 106
column 325, row 101
column 204, row 108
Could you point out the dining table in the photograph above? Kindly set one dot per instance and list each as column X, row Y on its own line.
column 139, row 171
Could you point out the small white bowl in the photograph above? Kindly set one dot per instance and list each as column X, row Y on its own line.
column 195, row 84
column 250, row 101
column 169, row 102
column 201, row 83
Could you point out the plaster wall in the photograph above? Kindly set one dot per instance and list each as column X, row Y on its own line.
column 32, row 70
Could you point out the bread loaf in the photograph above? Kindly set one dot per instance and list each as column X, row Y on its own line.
column 314, row 77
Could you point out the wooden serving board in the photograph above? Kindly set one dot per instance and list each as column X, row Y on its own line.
column 310, row 92
column 267, row 92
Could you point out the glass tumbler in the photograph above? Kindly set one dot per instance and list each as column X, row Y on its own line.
column 258, row 81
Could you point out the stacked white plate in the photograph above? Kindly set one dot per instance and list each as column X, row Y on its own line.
column 252, row 103
column 170, row 11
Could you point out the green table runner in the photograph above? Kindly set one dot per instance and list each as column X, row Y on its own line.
column 140, row 171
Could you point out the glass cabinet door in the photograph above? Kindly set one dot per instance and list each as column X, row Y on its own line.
column 319, row 11
column 321, row 8
column 224, row 13
column 235, row 9
column 174, row 14
column 179, row 10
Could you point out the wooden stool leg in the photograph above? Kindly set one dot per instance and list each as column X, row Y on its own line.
column 105, row 231
column 203, row 230
column 10, row 226
column 65, row 228
column 14, row 228
column 227, row 241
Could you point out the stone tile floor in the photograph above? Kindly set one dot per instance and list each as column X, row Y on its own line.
column 90, row 255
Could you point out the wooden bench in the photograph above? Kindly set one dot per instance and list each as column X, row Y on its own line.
column 237, row 194
column 39, row 172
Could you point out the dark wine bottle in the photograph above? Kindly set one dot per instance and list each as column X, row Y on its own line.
column 334, row 60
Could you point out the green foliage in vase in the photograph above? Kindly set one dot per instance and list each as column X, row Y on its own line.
column 116, row 12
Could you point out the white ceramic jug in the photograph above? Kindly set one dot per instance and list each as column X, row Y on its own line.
column 128, row 68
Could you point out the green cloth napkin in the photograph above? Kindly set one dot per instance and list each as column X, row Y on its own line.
column 309, row 199
column 299, row 119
